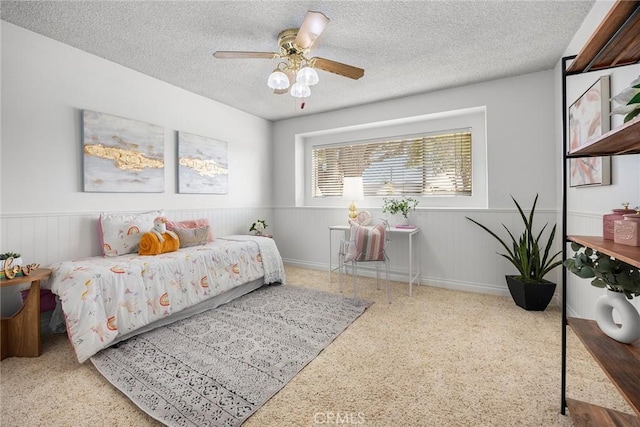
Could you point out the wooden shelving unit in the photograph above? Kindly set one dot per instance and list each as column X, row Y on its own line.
column 615, row 42
column 628, row 254
column 588, row 415
column 621, row 362
column 621, row 140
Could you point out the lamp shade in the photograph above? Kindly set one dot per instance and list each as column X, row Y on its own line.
column 352, row 188
column 278, row 80
column 308, row 76
column 300, row 90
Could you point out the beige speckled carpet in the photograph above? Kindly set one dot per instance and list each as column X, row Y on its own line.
column 440, row 358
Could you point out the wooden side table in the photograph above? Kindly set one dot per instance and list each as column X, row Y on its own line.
column 20, row 333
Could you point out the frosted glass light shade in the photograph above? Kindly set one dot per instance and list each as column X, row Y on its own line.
column 300, row 90
column 352, row 188
column 278, row 80
column 308, row 76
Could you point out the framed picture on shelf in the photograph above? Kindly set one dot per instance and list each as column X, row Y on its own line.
column 589, row 119
column 590, row 171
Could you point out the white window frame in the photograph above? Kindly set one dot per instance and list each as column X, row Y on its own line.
column 473, row 118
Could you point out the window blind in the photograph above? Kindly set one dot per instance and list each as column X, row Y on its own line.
column 435, row 164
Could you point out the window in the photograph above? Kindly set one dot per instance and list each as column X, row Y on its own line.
column 435, row 164
column 395, row 157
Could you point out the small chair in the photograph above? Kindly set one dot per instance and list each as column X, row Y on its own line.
column 366, row 244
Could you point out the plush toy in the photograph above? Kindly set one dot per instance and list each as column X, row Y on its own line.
column 160, row 228
column 158, row 240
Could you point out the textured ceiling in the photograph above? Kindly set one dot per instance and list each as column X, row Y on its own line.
column 405, row 47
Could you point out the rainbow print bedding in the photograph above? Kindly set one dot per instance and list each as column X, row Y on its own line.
column 104, row 298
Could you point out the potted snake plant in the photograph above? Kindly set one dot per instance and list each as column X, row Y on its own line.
column 532, row 258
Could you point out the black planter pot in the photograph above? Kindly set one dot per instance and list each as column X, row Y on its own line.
column 531, row 296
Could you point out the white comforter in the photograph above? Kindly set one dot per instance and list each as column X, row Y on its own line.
column 103, row 298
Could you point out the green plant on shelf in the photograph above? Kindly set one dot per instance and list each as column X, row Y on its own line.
column 607, row 272
column 629, row 101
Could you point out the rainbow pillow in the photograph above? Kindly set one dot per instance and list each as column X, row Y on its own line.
column 120, row 233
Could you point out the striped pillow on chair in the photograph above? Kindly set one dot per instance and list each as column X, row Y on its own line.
column 366, row 243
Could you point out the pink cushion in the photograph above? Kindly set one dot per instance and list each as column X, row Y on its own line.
column 366, row 243
column 191, row 223
column 192, row 236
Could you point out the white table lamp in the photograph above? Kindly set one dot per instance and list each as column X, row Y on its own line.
column 353, row 190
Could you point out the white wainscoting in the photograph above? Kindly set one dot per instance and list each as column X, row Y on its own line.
column 455, row 254
column 54, row 237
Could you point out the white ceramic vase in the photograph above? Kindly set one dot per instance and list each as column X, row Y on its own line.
column 629, row 329
column 397, row 219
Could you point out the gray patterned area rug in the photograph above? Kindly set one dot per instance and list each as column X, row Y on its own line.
column 217, row 368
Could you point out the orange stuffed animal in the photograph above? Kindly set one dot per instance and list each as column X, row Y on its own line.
column 159, row 240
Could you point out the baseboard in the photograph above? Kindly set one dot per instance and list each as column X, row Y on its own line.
column 480, row 288
column 571, row 312
column 455, row 285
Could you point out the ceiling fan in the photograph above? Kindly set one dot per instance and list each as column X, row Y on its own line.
column 297, row 72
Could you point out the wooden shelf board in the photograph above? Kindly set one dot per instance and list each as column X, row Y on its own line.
column 620, row 362
column 588, row 415
column 621, row 140
column 626, row 48
column 628, row 254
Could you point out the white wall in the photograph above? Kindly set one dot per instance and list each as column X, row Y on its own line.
column 45, row 86
column 44, row 213
column 586, row 205
column 521, row 156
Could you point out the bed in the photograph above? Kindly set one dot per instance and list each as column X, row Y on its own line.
column 104, row 300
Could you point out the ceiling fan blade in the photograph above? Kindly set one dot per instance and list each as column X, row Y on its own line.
column 222, row 54
column 313, row 24
column 337, row 68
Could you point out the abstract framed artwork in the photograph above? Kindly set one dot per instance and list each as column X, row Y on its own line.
column 203, row 165
column 588, row 120
column 588, row 171
column 122, row 155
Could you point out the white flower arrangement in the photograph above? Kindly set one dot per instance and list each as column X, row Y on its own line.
column 259, row 226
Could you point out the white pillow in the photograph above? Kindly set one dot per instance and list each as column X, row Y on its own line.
column 120, row 233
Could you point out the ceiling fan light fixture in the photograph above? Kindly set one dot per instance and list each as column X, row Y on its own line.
column 300, row 90
column 308, row 76
column 278, row 80
column 296, row 72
